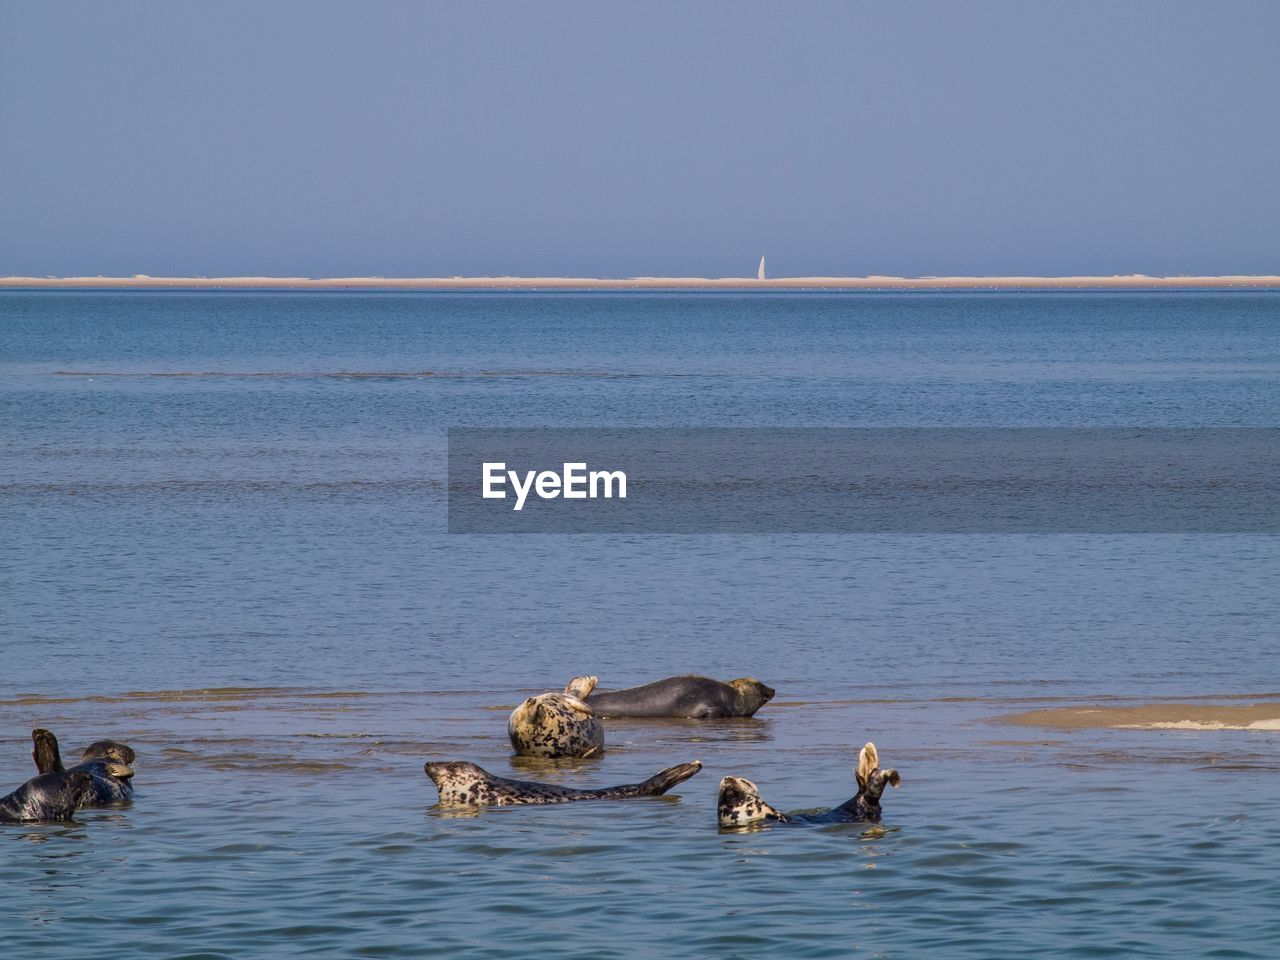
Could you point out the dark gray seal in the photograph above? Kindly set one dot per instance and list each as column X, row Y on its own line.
column 740, row 803
column 48, row 797
column 557, row 724
column 700, row 698
column 108, row 763
column 463, row 784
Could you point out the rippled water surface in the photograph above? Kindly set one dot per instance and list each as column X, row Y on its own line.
column 223, row 542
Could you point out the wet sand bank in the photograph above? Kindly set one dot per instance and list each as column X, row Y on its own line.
column 1154, row 716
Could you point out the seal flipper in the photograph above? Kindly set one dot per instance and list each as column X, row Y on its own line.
column 871, row 779
column 868, row 760
column 655, row 786
column 45, row 751
column 581, row 687
column 661, row 782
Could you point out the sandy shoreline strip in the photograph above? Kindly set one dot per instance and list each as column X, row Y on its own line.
column 1154, row 716
column 1128, row 282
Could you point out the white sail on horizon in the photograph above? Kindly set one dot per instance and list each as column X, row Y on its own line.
column 760, row 272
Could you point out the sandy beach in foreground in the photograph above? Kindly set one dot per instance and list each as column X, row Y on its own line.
column 1127, row 282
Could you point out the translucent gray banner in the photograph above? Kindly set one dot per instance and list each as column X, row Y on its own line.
column 864, row 480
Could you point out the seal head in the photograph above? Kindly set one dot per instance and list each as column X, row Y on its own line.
column 557, row 724
column 752, row 695
column 112, row 750
column 740, row 803
column 108, row 763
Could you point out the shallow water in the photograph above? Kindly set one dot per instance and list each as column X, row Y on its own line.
column 266, row 534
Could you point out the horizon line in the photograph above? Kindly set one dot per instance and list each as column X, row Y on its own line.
column 871, row 282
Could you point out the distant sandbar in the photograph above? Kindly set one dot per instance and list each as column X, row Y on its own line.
column 1155, row 716
column 1127, row 282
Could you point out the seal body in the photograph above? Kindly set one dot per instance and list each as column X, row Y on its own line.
column 463, row 784
column 557, row 724
column 739, row 803
column 700, row 698
column 48, row 797
column 107, row 762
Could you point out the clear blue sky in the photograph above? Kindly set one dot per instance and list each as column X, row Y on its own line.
column 414, row 138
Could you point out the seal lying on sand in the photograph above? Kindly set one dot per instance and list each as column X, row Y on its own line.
column 463, row 784
column 740, row 802
column 107, row 762
column 698, row 697
column 558, row 724
column 49, row 796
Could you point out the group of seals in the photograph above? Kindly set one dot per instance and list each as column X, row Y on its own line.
column 101, row 777
column 554, row 725
column 567, row 725
column 739, row 803
column 549, row 725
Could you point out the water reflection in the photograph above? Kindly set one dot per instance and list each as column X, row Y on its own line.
column 682, row 730
column 40, row 833
column 555, row 767
column 454, row 813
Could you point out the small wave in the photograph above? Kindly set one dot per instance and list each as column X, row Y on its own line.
column 343, row 374
column 1270, row 724
column 75, row 487
column 231, row 694
column 210, row 694
column 256, row 761
column 1103, row 698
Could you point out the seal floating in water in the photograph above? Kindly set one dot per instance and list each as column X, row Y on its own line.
column 463, row 784
column 558, row 724
column 49, row 796
column 107, row 762
column 700, row 698
column 740, row 802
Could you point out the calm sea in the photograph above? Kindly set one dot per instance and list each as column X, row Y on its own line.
column 222, row 541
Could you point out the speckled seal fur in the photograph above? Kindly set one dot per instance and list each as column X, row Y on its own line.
column 463, row 784
column 740, row 804
column 558, row 724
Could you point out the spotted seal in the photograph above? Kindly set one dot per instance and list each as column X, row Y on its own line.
column 558, row 724
column 463, row 784
column 700, row 698
column 108, row 763
column 48, row 796
column 740, row 802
